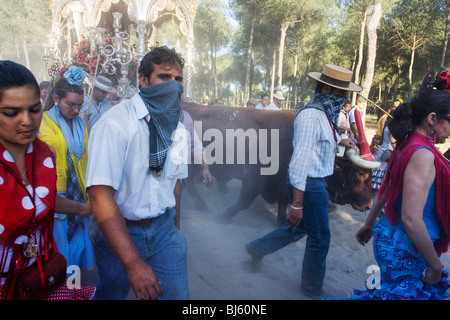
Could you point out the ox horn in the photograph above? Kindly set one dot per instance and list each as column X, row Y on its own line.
column 351, row 155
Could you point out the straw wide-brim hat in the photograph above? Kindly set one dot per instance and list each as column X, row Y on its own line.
column 337, row 77
column 278, row 95
column 103, row 83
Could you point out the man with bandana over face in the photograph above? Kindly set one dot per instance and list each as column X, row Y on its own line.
column 136, row 161
column 315, row 142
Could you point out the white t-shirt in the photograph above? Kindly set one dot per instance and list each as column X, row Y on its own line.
column 270, row 106
column 118, row 157
column 260, row 106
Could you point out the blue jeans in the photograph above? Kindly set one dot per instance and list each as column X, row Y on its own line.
column 160, row 244
column 315, row 225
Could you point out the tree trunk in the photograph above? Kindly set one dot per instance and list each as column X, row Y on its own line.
column 274, row 67
column 16, row 42
column 208, row 84
column 444, row 46
column 372, row 25
column 379, row 91
column 303, row 85
column 249, row 58
column 214, row 65
column 284, row 27
column 252, row 78
column 387, row 88
column 26, row 54
column 397, row 80
column 295, row 64
column 294, row 84
column 411, row 65
column 360, row 51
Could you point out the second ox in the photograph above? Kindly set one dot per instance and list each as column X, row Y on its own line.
column 255, row 146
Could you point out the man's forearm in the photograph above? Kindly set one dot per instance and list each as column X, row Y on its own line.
column 112, row 224
column 297, row 200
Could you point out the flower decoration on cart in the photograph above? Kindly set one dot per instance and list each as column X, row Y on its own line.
column 83, row 56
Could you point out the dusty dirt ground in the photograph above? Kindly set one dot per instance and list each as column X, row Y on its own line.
column 219, row 266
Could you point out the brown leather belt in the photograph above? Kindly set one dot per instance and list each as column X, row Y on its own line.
column 142, row 222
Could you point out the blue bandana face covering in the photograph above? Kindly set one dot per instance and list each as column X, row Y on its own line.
column 163, row 103
column 332, row 105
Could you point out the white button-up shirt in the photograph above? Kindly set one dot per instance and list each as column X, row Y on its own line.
column 119, row 158
column 314, row 148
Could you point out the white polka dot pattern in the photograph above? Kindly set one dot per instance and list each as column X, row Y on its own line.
column 42, row 192
column 7, row 156
column 48, row 162
column 27, row 204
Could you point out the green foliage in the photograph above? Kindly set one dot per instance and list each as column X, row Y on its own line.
column 319, row 32
column 413, row 25
column 212, row 33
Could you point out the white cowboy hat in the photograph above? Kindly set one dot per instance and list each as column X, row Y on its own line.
column 103, row 83
column 337, row 77
column 279, row 95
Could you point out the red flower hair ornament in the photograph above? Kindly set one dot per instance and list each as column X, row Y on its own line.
column 444, row 80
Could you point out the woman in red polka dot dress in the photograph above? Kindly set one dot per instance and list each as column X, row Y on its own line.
column 27, row 187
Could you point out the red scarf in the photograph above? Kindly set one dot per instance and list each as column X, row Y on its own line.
column 393, row 184
column 17, row 209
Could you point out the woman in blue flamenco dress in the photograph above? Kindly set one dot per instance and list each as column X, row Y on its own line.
column 410, row 237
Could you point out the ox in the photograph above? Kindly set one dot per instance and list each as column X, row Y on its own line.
column 266, row 176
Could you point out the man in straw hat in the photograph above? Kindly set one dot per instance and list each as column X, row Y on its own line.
column 315, row 143
column 277, row 103
column 97, row 103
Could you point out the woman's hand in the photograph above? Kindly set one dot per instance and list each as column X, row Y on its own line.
column 364, row 234
column 431, row 276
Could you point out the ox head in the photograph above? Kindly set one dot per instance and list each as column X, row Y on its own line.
column 351, row 181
